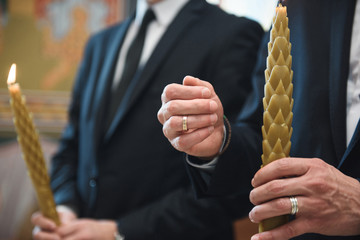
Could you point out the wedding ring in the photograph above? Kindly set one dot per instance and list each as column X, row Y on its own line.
column 294, row 205
column 184, row 123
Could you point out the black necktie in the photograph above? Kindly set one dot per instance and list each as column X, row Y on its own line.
column 131, row 65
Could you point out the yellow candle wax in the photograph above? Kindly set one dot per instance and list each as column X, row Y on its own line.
column 278, row 101
column 31, row 149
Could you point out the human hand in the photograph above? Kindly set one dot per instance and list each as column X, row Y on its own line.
column 46, row 228
column 328, row 200
column 198, row 101
column 88, row 229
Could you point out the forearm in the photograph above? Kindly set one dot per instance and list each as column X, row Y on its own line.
column 235, row 167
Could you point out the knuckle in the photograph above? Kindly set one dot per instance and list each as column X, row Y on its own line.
column 181, row 143
column 160, row 116
column 172, row 122
column 283, row 165
column 317, row 162
column 163, row 97
column 275, row 187
column 319, row 185
column 290, row 231
column 36, row 232
column 87, row 236
column 171, row 107
column 252, row 197
column 200, row 135
column 209, row 86
column 270, row 236
column 282, row 203
column 317, row 206
column 169, row 91
column 255, row 213
column 35, row 216
column 176, row 144
column 165, row 130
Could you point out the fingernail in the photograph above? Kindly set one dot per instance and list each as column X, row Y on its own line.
column 251, row 213
column 213, row 118
column 251, row 219
column 52, row 226
column 211, row 129
column 213, row 106
column 206, row 93
column 255, row 237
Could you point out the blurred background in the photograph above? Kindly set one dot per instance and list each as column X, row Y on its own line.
column 45, row 38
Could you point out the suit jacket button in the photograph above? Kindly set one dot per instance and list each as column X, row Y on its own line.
column 92, row 183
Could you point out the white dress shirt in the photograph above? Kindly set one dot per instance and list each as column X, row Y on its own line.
column 165, row 12
column 353, row 87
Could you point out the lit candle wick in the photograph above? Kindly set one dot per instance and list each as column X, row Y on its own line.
column 28, row 139
column 281, row 2
column 12, row 75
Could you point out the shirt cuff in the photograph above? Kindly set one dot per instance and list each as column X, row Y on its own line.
column 65, row 208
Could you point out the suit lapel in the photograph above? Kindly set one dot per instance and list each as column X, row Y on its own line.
column 355, row 141
column 339, row 66
column 182, row 21
column 102, row 87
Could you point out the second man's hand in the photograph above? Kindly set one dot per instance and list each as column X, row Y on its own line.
column 196, row 100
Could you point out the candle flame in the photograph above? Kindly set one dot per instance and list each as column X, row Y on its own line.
column 12, row 75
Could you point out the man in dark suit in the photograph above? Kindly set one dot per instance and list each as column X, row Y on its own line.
column 121, row 168
column 325, row 168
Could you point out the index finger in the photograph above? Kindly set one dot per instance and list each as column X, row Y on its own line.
column 180, row 92
column 193, row 81
column 68, row 229
column 281, row 168
column 44, row 223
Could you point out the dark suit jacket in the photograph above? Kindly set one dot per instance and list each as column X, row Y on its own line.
column 130, row 172
column 320, row 33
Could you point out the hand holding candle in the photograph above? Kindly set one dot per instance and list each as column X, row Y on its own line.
column 278, row 102
column 31, row 149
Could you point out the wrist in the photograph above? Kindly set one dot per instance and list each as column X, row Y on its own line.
column 226, row 138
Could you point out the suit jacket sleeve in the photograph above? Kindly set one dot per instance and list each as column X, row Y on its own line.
column 238, row 164
column 177, row 216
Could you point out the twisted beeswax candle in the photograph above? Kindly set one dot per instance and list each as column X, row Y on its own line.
column 31, row 149
column 278, row 102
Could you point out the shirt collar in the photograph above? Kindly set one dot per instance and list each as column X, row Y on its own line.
column 165, row 11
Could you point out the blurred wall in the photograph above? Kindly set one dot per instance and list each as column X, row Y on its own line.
column 45, row 38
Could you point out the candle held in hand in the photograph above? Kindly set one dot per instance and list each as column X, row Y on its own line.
column 28, row 139
column 278, row 101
